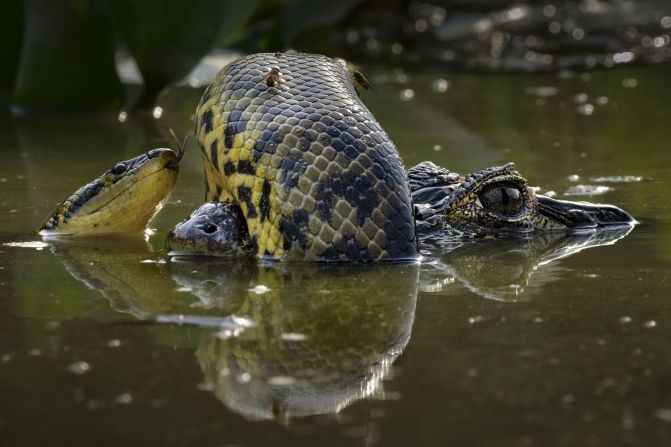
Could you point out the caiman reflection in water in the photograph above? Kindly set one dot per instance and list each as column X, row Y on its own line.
column 287, row 340
column 501, row 269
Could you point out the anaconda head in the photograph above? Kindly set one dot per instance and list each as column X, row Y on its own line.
column 497, row 201
column 122, row 200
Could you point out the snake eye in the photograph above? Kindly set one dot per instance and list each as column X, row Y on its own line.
column 503, row 199
column 119, row 169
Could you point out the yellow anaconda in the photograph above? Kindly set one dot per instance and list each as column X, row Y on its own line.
column 286, row 138
column 297, row 167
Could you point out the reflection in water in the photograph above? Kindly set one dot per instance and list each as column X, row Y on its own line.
column 123, row 270
column 320, row 336
column 324, row 336
column 284, row 340
column 501, row 269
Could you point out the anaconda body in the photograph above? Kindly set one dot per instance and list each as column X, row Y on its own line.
column 285, row 137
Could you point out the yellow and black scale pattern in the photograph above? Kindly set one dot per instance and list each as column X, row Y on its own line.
column 286, row 137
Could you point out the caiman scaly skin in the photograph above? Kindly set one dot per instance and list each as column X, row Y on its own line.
column 286, row 138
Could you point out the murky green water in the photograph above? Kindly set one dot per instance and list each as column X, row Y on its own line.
column 554, row 341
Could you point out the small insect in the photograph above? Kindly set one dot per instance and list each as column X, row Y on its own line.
column 273, row 77
column 362, row 81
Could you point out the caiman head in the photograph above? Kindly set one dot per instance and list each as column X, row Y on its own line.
column 497, row 201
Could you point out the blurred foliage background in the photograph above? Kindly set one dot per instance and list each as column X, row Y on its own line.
column 64, row 55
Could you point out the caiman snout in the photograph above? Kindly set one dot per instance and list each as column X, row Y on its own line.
column 582, row 215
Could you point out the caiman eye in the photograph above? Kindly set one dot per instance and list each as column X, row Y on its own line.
column 119, row 169
column 502, row 199
column 209, row 228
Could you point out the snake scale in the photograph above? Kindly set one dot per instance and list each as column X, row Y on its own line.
column 286, row 137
